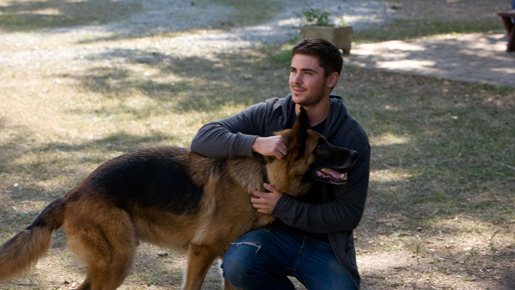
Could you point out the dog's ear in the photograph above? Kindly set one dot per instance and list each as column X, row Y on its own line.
column 300, row 133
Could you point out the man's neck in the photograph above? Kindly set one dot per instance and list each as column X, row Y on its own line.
column 316, row 113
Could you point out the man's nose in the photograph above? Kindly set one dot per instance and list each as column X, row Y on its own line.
column 297, row 78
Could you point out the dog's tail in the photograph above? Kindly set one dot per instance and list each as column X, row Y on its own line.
column 24, row 249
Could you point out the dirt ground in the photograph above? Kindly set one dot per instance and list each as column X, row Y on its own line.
column 477, row 57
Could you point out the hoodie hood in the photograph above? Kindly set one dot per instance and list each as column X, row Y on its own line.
column 337, row 114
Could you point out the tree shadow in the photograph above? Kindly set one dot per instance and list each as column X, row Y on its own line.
column 63, row 155
column 180, row 84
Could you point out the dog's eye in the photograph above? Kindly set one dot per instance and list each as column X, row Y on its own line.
column 321, row 148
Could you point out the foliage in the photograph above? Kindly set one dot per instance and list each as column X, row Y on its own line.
column 317, row 17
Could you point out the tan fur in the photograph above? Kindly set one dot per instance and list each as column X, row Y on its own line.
column 20, row 258
column 105, row 235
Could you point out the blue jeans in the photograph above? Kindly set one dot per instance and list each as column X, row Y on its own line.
column 263, row 258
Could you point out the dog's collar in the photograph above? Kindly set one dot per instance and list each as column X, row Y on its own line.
column 264, row 172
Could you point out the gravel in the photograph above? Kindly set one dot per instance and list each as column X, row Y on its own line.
column 158, row 17
column 180, row 29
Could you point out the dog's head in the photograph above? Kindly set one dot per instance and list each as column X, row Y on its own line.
column 310, row 157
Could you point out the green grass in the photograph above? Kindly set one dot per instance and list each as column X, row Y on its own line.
column 25, row 15
column 250, row 12
column 414, row 19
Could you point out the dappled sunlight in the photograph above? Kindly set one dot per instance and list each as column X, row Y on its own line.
column 389, row 175
column 26, row 206
column 441, row 252
column 388, row 138
column 383, row 261
column 470, row 230
column 400, row 46
column 400, row 57
column 408, row 64
column 43, row 11
column 165, row 267
column 505, row 70
column 442, row 56
column 69, row 273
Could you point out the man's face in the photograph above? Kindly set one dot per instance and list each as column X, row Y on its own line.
column 307, row 82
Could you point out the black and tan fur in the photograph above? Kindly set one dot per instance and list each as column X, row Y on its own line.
column 170, row 197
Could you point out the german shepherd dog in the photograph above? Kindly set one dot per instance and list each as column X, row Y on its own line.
column 173, row 198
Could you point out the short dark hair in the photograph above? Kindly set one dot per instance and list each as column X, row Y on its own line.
column 329, row 56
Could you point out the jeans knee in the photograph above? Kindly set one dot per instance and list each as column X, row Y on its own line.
column 238, row 264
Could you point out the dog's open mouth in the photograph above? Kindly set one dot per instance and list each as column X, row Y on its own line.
column 331, row 176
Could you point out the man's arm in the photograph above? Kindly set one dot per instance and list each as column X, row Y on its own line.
column 241, row 134
column 221, row 140
column 229, row 137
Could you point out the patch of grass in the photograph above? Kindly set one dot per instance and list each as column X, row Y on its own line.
column 437, row 150
column 413, row 19
column 24, row 15
column 250, row 12
column 405, row 29
column 282, row 57
column 438, row 147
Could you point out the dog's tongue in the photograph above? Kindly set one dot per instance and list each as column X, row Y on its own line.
column 328, row 172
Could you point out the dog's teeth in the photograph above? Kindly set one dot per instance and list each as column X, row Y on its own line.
column 342, row 176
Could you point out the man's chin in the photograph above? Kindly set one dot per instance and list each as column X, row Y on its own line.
column 300, row 101
column 297, row 97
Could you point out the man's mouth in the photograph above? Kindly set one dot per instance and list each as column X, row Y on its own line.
column 298, row 90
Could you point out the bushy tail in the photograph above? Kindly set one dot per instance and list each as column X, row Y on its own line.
column 24, row 249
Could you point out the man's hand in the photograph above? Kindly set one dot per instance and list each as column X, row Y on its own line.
column 270, row 146
column 265, row 202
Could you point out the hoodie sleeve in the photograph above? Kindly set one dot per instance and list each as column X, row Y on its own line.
column 234, row 136
column 218, row 140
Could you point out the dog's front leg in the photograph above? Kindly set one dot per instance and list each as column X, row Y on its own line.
column 200, row 257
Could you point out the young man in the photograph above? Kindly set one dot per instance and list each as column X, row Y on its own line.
column 312, row 238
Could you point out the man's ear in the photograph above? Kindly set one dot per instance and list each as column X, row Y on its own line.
column 332, row 79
